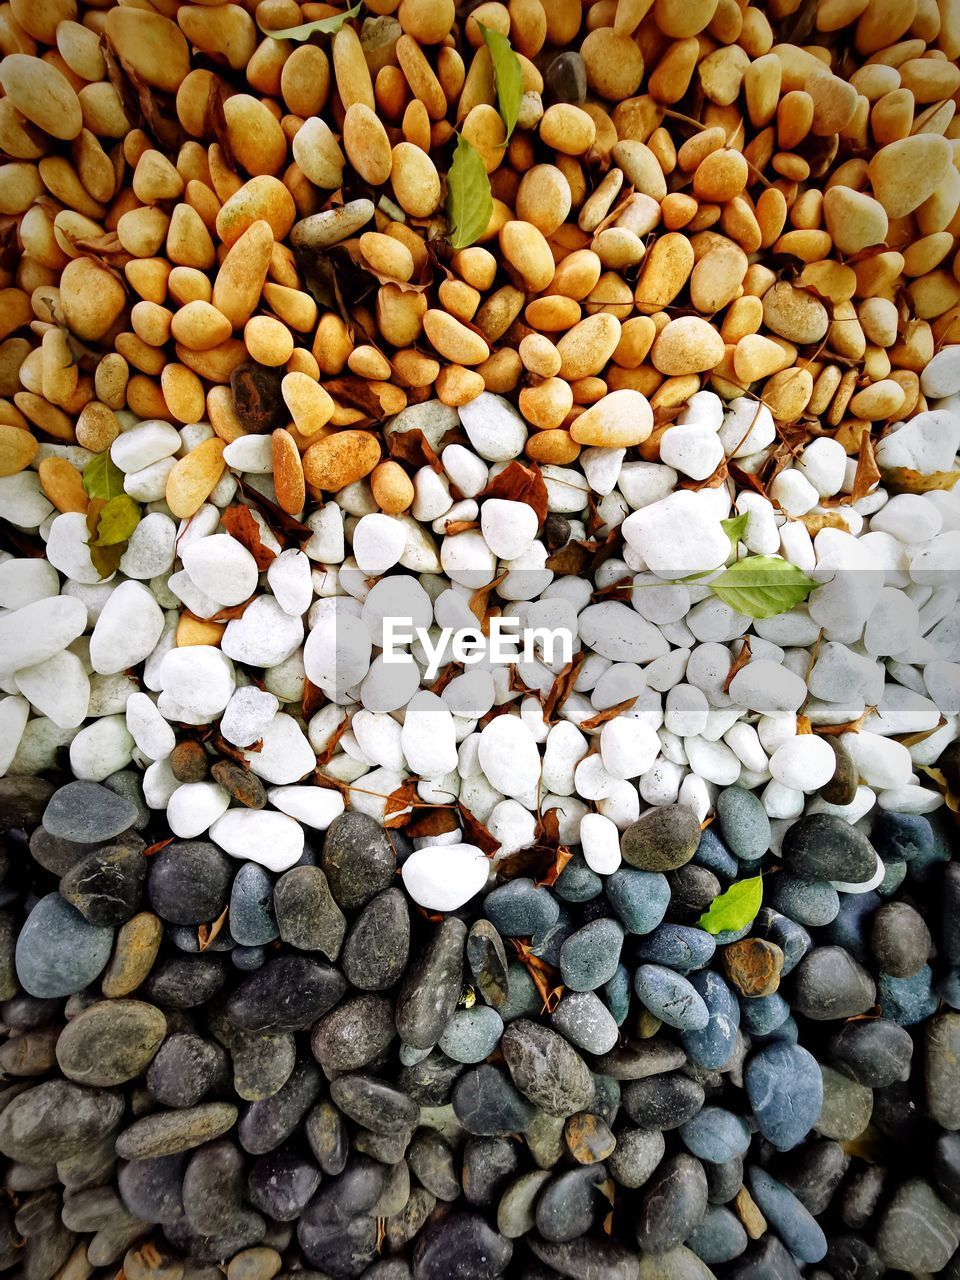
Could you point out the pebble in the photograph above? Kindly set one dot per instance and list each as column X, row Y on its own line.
column 273, row 840
column 673, row 1204
column 170, row 1132
column 184, row 1069
column 188, row 882
column 110, row 1042
column 917, row 1231
column 464, row 1242
column 546, row 1069
column 471, row 1035
column 670, row 997
column 307, row 915
column 430, row 990
column 486, row 1103
column 87, row 813
column 785, row 1088
column 445, row 878
column 58, row 952
column 106, row 886
column 664, row 838
column 357, row 860
column 829, row 984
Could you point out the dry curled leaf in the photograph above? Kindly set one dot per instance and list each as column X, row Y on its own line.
column 849, row 726
column 398, row 809
column 479, row 599
column 740, row 661
column 474, row 832
column 867, row 475
column 517, row 483
column 215, row 121
column 544, row 975
column 562, row 686
column 413, row 448
column 151, row 849
column 208, row 934
column 238, row 520
column 326, row 755
column 312, row 700
column 571, row 560
column 608, row 713
column 276, row 518
column 903, row 480
column 433, row 822
column 356, row 393
column 460, row 526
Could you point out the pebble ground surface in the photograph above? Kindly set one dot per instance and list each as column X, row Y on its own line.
column 638, row 320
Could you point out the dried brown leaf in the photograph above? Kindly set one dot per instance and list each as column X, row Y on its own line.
column 238, row 520
column 356, row 393
column 571, row 560
column 849, row 726
column 312, row 700
column 326, row 755
column 215, row 121
column 518, row 483
column 434, row 822
column 562, row 686
column 413, row 448
column 868, row 473
column 208, row 934
column 544, row 975
column 608, row 713
column 275, row 517
column 460, row 526
column 151, row 849
column 479, row 599
column 476, row 833
column 398, row 809
column 740, row 661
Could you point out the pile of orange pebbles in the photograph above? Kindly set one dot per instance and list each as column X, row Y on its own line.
column 699, row 194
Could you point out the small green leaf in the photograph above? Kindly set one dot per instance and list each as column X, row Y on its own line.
column 762, row 586
column 102, row 478
column 732, row 910
column 507, row 74
column 469, row 199
column 322, row 26
column 118, row 519
column 735, row 528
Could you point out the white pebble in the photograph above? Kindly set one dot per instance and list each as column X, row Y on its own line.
column 804, row 763
column 509, row 528
column 153, row 736
column 444, row 878
column 601, row 843
column 257, row 835
column 127, row 630
column 194, row 807
column 628, row 747
column 317, row 807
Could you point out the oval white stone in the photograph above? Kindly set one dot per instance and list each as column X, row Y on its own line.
column 444, row 877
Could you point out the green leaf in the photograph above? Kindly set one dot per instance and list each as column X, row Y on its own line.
column 735, row 908
column 507, row 74
column 102, row 478
column 322, row 26
column 762, row 586
column 118, row 519
column 735, row 528
column 469, row 199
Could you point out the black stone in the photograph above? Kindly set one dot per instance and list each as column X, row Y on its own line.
column 378, row 945
column 106, row 886
column 286, row 994
column 431, row 987
column 354, row 1034
column 461, row 1247
column 358, row 859
column 189, row 881
column 88, row 813
column 307, row 916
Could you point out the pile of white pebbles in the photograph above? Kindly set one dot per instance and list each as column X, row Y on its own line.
column 875, row 646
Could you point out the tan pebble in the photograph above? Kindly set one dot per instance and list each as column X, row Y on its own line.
column 641, row 168
column 621, row 419
column 262, row 197
column 854, row 219
column 305, row 80
column 268, row 341
column 687, row 345
column 110, row 380
column 414, row 369
column 614, row 63
column 415, row 181
column 545, row 404
column 717, row 277
column 42, row 94
column 794, row 314
column 527, row 251
column 309, row 402
column 240, row 279
column 97, row 426
column 287, row 472
column 386, row 255
column 392, row 488
column 567, row 129
column 720, row 176
column 834, row 102
column 256, row 139
column 682, row 18
column 138, row 942
column 318, row 154
column 666, row 269
column 142, row 231
column 421, row 77
column 194, row 477
column 905, row 173
column 340, row 459
column 879, row 319
column 756, row 357
column 17, row 450
column 199, row 326
column 544, row 198
column 586, row 348
column 539, row 355
column 191, row 631
column 183, row 393
column 577, row 275
column 92, row 298
column 367, row 362
column 552, row 313
column 453, row 340
column 881, row 400
column 788, row 393
column 556, row 446
column 366, row 144
column 63, row 484
column 151, row 44
column 456, row 385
